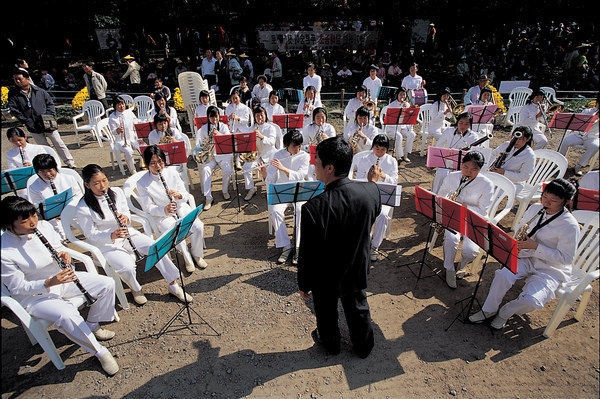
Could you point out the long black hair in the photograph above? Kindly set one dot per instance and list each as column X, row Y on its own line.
column 88, row 196
column 12, row 208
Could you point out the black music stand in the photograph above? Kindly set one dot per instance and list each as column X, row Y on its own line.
column 578, row 122
column 286, row 193
column 290, row 94
column 52, row 207
column 16, row 179
column 161, row 247
column 236, row 144
column 387, row 93
column 425, row 204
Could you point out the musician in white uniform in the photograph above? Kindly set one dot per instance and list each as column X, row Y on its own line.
column 308, row 104
column 43, row 289
column 23, row 152
column 273, row 107
column 163, row 131
column 546, row 254
column 532, row 115
column 266, row 137
column 485, row 98
column 385, row 167
column 316, row 132
column 161, row 106
column 121, row 123
column 205, row 138
column 360, row 133
column 372, row 83
column 476, row 192
column 287, row 165
column 238, row 114
column 412, row 81
column 201, row 109
column 400, row 131
column 312, row 79
column 473, row 94
column 519, row 163
column 355, row 103
column 261, row 91
column 167, row 208
column 458, row 136
column 439, row 114
column 589, row 140
column 50, row 182
column 98, row 224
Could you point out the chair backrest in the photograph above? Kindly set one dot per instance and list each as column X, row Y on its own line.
column 94, row 111
column 279, row 138
column 130, row 191
column 104, row 131
column 550, row 94
column 504, row 195
column 144, row 106
column 514, row 116
column 587, row 253
column 128, row 100
column 190, row 84
column 355, row 161
column 424, row 116
column 549, row 164
column 212, row 97
column 518, row 96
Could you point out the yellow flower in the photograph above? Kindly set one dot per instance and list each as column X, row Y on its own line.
column 497, row 98
column 4, row 97
column 178, row 100
column 80, row 98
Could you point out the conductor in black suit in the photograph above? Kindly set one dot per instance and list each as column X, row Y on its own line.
column 335, row 248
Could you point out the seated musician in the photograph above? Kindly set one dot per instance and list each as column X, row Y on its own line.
column 161, row 106
column 273, row 107
column 49, row 183
column 163, row 195
column 458, row 136
column 518, row 165
column 473, row 95
column 121, row 123
column 287, row 165
column 23, row 152
column 385, row 168
column 400, row 131
column 163, row 132
column 238, row 114
column 206, row 165
column 266, row 137
column 476, row 192
column 547, row 244
column 316, row 132
column 308, row 104
column 261, row 91
column 43, row 289
column 532, row 115
column 589, row 140
column 118, row 244
column 355, row 103
column 360, row 133
column 485, row 98
column 201, row 109
column 440, row 112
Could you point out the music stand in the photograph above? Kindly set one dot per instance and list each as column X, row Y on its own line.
column 568, row 121
column 400, row 116
column 16, row 179
column 447, row 158
column 235, row 144
column 289, row 121
column 482, row 113
column 143, row 130
column 587, row 200
column 200, row 121
column 52, row 207
column 162, row 246
column 290, row 94
column 175, row 153
column 386, row 93
column 425, row 204
column 286, row 193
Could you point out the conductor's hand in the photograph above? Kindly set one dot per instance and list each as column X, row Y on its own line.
column 375, row 173
column 304, row 295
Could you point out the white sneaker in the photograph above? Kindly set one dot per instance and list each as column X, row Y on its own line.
column 189, row 266
column 250, row 194
column 578, row 171
column 103, row 334
column 208, row 203
column 405, row 159
column 180, row 295
column 201, row 262
column 498, row 323
column 480, row 317
column 451, row 278
column 139, row 297
column 109, row 364
column 285, row 254
column 373, row 254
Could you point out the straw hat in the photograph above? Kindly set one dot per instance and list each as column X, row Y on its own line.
column 230, row 54
column 243, row 55
column 483, row 77
column 129, row 57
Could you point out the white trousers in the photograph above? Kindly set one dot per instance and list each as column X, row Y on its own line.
column 206, row 171
column 468, row 253
column 282, row 239
column 59, row 145
column 591, row 147
column 127, row 151
column 123, row 260
column 399, row 132
column 380, row 226
column 196, row 236
column 537, row 291
column 66, row 317
column 249, row 176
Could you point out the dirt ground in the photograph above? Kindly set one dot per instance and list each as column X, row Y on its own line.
column 251, row 331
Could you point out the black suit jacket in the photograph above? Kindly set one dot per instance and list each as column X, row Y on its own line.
column 335, row 237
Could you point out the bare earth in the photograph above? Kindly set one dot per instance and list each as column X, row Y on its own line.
column 261, row 345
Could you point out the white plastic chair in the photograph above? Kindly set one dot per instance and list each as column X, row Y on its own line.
column 144, row 106
column 130, row 191
column 549, row 164
column 517, row 98
column 37, row 329
column 183, row 170
column 107, row 135
column 65, row 171
column 585, row 271
column 514, row 117
column 424, row 118
column 94, row 111
column 355, row 161
column 279, row 138
column 190, row 84
column 550, row 94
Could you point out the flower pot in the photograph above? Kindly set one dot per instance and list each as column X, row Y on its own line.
column 7, row 116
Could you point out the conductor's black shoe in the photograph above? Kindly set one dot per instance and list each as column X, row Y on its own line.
column 333, row 349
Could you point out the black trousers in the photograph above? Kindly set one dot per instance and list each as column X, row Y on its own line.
column 358, row 318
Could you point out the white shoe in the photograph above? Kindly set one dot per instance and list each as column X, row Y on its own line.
column 451, row 278
column 405, row 159
column 208, row 204
column 498, row 323
column 189, row 266
column 460, row 274
column 578, row 171
column 201, row 262
column 180, row 295
column 480, row 317
column 250, row 194
column 373, row 254
column 285, row 254
column 102, row 334
column 139, row 297
column 226, row 196
column 238, row 166
column 109, row 364
column 295, row 257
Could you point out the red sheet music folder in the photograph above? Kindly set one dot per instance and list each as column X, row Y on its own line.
column 503, row 247
column 143, row 129
column 289, row 121
column 482, row 113
column 174, row 152
column 425, row 202
column 401, row 116
column 579, row 122
column 587, row 200
column 200, row 121
column 244, row 142
column 453, row 215
column 477, row 229
column 312, row 150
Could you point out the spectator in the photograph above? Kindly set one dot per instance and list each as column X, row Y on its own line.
column 133, row 72
column 113, row 48
column 95, row 83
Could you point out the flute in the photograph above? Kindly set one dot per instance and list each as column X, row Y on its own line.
column 263, row 164
column 89, row 300
column 169, row 196
column 113, row 209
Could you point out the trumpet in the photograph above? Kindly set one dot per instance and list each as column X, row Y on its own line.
column 252, row 155
column 204, row 152
column 521, row 234
column 138, row 256
column 89, row 299
column 485, row 138
column 169, row 196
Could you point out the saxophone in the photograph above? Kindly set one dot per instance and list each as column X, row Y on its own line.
column 317, row 139
column 252, row 155
column 355, row 138
column 203, row 153
column 521, row 234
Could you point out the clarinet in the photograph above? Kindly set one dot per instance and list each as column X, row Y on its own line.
column 480, row 141
column 111, row 205
column 22, row 155
column 169, row 196
column 502, row 157
column 89, row 300
column 54, row 190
